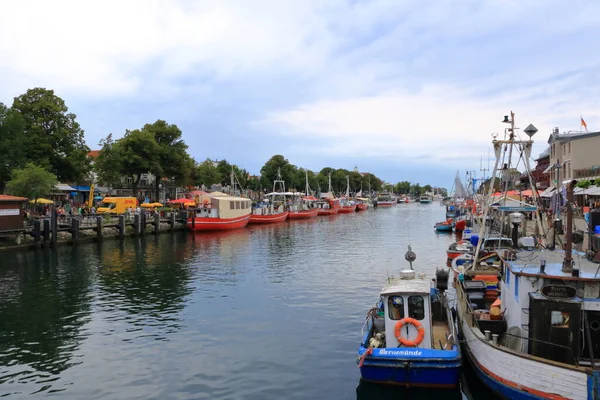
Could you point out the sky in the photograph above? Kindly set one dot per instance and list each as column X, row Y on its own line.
column 406, row 89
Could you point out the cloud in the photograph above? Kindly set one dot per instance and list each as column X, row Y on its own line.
column 321, row 79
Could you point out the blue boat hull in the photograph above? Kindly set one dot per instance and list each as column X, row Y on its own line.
column 429, row 368
column 443, row 228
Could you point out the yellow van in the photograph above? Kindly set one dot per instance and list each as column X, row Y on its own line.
column 117, row 205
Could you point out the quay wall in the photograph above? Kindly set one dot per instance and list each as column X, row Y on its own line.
column 57, row 230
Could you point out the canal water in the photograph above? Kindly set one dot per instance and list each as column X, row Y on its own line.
column 266, row 312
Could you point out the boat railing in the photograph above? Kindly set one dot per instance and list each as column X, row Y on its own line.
column 367, row 326
column 556, row 346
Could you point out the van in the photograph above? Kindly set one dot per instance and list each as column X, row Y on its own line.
column 117, row 205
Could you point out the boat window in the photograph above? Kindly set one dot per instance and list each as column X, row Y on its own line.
column 237, row 205
column 559, row 319
column 396, row 307
column 231, row 205
column 416, row 307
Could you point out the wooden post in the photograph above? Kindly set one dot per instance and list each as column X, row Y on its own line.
column 37, row 233
column 121, row 226
column 156, row 223
column 54, row 227
column 99, row 228
column 172, row 220
column 74, row 230
column 194, row 220
column 136, row 224
column 143, row 223
column 46, row 232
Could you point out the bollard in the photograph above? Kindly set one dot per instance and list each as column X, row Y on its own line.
column 488, row 335
column 136, row 224
column 156, row 223
column 54, row 227
column 121, row 226
column 99, row 228
column 74, row 230
column 46, row 232
column 37, row 233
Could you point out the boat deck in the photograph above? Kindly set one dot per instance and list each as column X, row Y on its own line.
column 439, row 334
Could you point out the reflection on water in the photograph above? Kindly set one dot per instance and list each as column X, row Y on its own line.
column 371, row 391
column 265, row 312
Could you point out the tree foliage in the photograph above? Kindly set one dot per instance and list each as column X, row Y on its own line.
column 207, row 174
column 173, row 159
column 12, row 154
column 32, row 182
column 51, row 135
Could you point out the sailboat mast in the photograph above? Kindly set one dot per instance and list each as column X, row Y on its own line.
column 307, row 187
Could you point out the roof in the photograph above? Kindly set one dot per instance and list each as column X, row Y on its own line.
column 7, row 198
column 567, row 137
column 65, row 188
column 93, row 153
column 398, row 285
column 528, row 263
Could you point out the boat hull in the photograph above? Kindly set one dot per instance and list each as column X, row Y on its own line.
column 386, row 203
column 303, row 214
column 361, row 207
column 327, row 211
column 521, row 376
column 420, row 368
column 199, row 224
column 443, row 228
column 347, row 209
column 268, row 219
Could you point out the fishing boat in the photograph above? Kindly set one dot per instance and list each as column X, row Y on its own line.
column 537, row 337
column 222, row 213
column 445, row 226
column 363, row 203
column 347, row 204
column 386, row 200
column 327, row 206
column 458, row 248
column 425, row 198
column 306, row 207
column 408, row 338
column 273, row 209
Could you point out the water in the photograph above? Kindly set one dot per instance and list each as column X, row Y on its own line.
column 266, row 312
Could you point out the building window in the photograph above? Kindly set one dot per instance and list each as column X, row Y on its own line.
column 416, row 307
column 569, row 147
column 517, row 287
column 396, row 307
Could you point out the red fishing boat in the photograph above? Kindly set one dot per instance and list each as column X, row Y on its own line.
column 361, row 206
column 304, row 214
column 328, row 207
column 272, row 209
column 268, row 218
column 222, row 213
column 347, row 208
column 347, row 205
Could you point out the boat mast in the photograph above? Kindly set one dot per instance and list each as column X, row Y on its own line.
column 307, row 187
column 330, row 189
column 347, row 186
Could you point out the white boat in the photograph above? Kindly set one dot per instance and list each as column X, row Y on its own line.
column 540, row 338
column 425, row 198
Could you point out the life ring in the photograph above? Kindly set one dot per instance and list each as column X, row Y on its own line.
column 416, row 324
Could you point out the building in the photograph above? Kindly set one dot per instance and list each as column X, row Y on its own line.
column 574, row 156
column 540, row 174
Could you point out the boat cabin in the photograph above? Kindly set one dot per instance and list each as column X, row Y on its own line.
column 225, row 207
column 403, row 299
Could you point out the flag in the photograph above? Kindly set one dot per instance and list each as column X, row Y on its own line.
column 583, row 124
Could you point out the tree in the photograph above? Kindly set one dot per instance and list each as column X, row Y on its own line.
column 52, row 135
column 108, row 165
column 32, row 182
column 584, row 184
column 207, row 174
column 173, row 159
column 289, row 172
column 12, row 153
column 137, row 153
column 402, row 187
column 427, row 189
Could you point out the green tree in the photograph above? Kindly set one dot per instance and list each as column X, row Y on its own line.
column 52, row 136
column 289, row 172
column 427, row 188
column 584, row 184
column 109, row 164
column 402, row 187
column 137, row 153
column 207, row 174
column 12, row 154
column 32, row 182
column 173, row 159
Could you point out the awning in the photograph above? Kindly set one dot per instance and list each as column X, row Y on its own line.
column 65, row 188
column 548, row 192
column 592, row 191
column 81, row 188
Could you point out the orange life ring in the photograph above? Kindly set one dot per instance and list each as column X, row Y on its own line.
column 416, row 324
